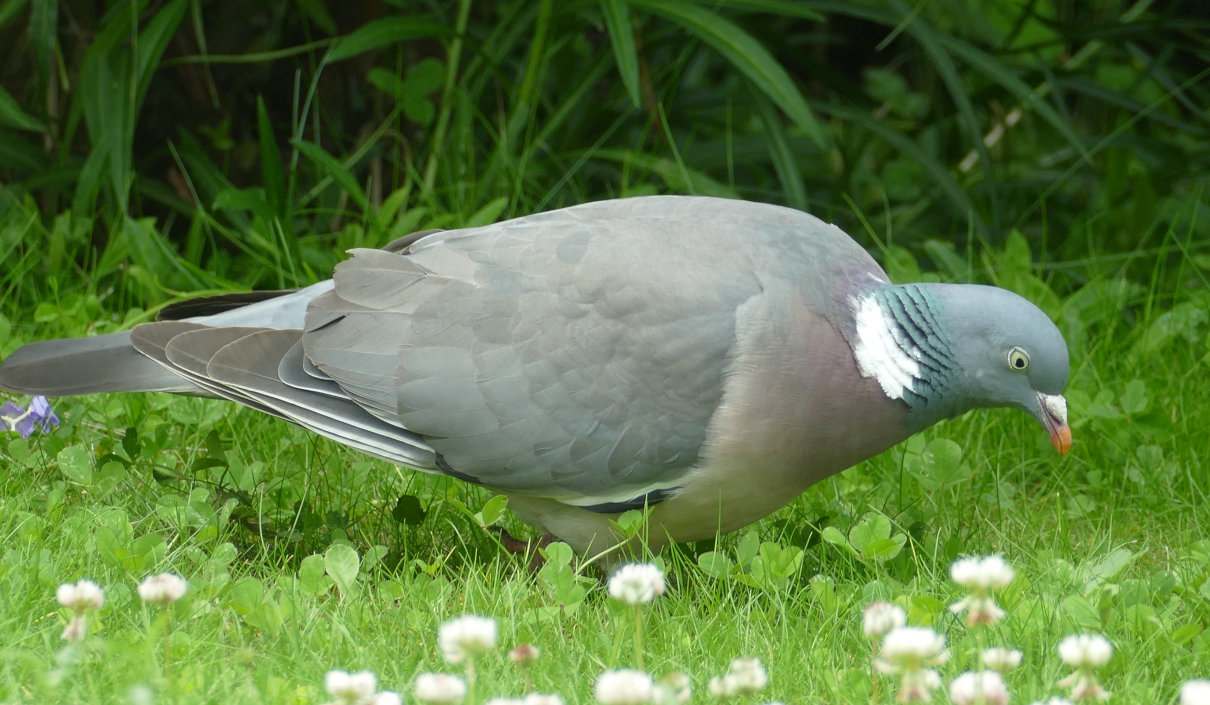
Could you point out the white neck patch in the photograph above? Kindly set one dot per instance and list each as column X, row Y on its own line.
column 878, row 353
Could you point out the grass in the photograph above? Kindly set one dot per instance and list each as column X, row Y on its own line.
column 303, row 556
column 250, row 146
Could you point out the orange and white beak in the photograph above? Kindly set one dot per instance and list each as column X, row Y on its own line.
column 1052, row 412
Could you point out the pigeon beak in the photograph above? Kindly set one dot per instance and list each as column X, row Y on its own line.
column 1052, row 412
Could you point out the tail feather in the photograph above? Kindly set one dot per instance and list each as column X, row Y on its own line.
column 113, row 363
column 68, row 367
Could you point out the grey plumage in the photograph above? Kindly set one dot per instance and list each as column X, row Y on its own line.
column 708, row 357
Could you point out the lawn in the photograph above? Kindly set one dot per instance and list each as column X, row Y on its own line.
column 155, row 149
column 302, row 557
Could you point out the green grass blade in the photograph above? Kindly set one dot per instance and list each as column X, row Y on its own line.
column 676, row 176
column 535, row 62
column 785, row 8
column 384, row 32
column 43, row 24
column 930, row 41
column 997, row 72
column 962, row 203
column 621, row 36
column 779, row 151
column 153, row 40
column 9, row 10
column 271, row 162
column 16, row 151
column 12, row 115
column 334, row 169
column 746, row 54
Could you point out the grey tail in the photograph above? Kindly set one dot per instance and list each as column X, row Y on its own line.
column 72, row 366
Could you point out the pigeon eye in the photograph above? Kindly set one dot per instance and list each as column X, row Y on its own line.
column 1018, row 359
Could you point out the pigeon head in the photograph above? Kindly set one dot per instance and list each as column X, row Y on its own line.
column 946, row 348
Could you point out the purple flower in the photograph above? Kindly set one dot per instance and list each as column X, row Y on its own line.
column 39, row 415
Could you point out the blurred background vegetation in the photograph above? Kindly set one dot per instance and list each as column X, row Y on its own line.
column 160, row 147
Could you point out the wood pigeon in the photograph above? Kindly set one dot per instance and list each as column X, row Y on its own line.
column 706, row 358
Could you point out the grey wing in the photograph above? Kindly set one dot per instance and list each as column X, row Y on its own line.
column 566, row 355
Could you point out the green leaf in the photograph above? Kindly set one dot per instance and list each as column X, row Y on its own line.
column 621, row 37
column 388, row 82
column 414, row 91
column 488, row 214
column 1110, row 567
column 130, row 443
column 1081, row 611
column 271, row 162
column 342, row 565
column 747, row 548
column 873, row 539
column 384, row 32
column 747, row 55
column 1134, row 400
column 12, row 115
column 312, row 576
column 716, row 564
column 835, row 537
column 407, row 510
column 492, row 511
column 75, row 462
column 939, row 465
column 557, row 554
column 334, row 169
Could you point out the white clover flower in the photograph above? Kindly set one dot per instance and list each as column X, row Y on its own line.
column 543, row 699
column 439, row 689
column 76, row 629
column 624, row 687
column 1085, row 651
column 80, row 597
column 979, row 688
column 747, row 675
column 637, row 584
column 744, row 675
column 880, row 618
column 999, row 659
column 1195, row 693
column 911, row 649
column 979, row 609
column 162, row 589
column 982, row 575
column 908, row 652
column 918, row 686
column 523, row 654
column 466, row 636
column 673, row 689
column 505, row 701
column 1083, row 685
column 386, row 697
column 349, row 688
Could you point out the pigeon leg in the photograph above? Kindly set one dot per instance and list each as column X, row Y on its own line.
column 525, row 547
